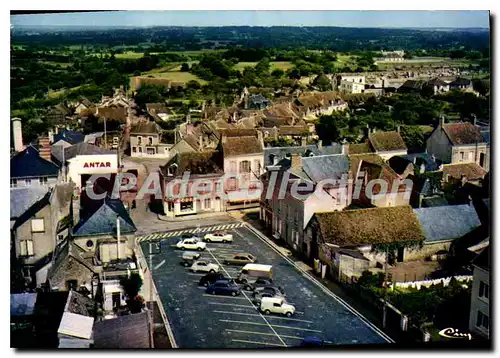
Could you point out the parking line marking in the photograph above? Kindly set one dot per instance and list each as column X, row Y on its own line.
column 274, row 325
column 232, row 305
column 291, row 319
column 160, row 265
column 264, row 334
column 266, row 344
column 238, row 313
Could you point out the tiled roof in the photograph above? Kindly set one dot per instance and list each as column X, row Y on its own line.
column 234, row 146
column 130, row 331
column 462, row 133
column 238, row 132
column 293, row 130
column 21, row 199
column 387, row 141
column 98, row 217
column 114, row 113
column 84, row 149
column 370, row 226
column 441, row 223
column 144, row 128
column 28, row 163
column 208, row 162
column 69, row 136
column 472, row 171
column 360, row 148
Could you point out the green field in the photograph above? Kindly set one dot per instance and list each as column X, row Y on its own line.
column 177, row 76
column 129, row 55
column 283, row 65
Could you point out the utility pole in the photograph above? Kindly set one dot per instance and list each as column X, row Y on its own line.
column 384, row 317
column 105, row 136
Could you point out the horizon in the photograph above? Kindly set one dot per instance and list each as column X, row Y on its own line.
column 388, row 19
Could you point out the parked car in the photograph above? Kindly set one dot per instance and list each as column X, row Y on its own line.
column 188, row 258
column 211, row 278
column 218, row 237
column 270, row 305
column 204, row 266
column 224, row 287
column 258, row 282
column 251, row 272
column 189, row 236
column 312, row 342
column 266, row 291
column 191, row 244
column 240, row 259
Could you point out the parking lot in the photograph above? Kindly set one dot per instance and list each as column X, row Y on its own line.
column 200, row 320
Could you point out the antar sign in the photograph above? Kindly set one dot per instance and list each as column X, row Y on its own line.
column 97, row 165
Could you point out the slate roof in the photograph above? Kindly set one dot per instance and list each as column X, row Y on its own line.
column 441, row 223
column 369, row 226
column 387, row 141
column 29, row 164
column 144, row 128
column 462, row 133
column 21, row 199
column 69, row 136
column 64, row 251
column 412, row 84
column 308, row 150
column 323, row 167
column 483, row 259
column 434, row 201
column 431, row 163
column 32, row 210
column 234, row 146
column 84, row 149
column 98, row 217
column 436, row 82
column 208, row 162
column 460, row 81
column 129, row 331
column 472, row 171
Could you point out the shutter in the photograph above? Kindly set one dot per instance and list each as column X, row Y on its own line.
column 22, row 248
column 29, row 244
column 37, row 225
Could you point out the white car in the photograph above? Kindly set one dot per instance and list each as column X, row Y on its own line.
column 218, row 237
column 191, row 244
column 204, row 266
column 276, row 305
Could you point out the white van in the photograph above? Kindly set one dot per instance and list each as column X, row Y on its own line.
column 276, row 305
column 251, row 272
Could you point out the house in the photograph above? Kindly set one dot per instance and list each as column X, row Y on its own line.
column 437, row 86
column 412, row 86
column 58, row 114
column 427, row 189
column 66, row 138
column 38, row 229
column 371, row 232
column 115, row 108
column 441, row 226
column 463, row 173
column 387, row 144
column 145, row 141
column 461, row 83
column 77, row 322
column 29, row 168
column 181, row 196
column 256, row 101
column 347, row 86
column 280, row 156
column 286, row 210
column 420, row 162
column 461, row 142
column 131, row 331
column 243, row 165
column 480, row 317
column 103, row 227
column 83, row 105
column 159, row 111
column 396, row 56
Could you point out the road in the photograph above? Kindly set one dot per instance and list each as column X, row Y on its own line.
column 205, row 321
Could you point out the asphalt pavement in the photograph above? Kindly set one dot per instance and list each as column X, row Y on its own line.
column 200, row 320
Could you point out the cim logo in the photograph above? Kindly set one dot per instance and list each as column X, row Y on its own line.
column 97, row 165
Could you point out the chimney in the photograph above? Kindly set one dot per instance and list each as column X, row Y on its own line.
column 44, row 147
column 414, row 160
column 118, row 237
column 17, row 133
column 320, row 144
column 56, row 130
column 303, row 141
column 296, row 161
column 441, row 122
column 51, row 136
column 475, row 120
column 398, row 128
column 433, row 157
column 345, row 148
column 422, row 168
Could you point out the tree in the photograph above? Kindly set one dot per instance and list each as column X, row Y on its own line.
column 185, row 67
column 323, row 83
column 277, row 73
column 131, row 286
column 413, row 137
column 328, row 127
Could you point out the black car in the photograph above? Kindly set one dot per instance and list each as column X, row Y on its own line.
column 260, row 282
column 211, row 278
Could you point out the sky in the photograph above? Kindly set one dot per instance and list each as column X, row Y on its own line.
column 406, row 18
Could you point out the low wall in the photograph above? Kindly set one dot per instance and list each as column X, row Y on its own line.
column 427, row 283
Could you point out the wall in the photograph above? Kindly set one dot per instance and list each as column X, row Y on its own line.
column 71, row 269
column 97, row 241
column 472, row 154
column 77, row 166
column 386, row 155
column 426, row 251
column 479, row 304
column 439, row 145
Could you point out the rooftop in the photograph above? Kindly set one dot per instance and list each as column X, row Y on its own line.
column 387, row 141
column 69, row 136
column 449, row 222
column 463, row 133
column 144, row 128
column 370, row 226
column 208, row 162
column 29, row 164
column 129, row 331
column 472, row 171
column 21, row 199
column 234, row 146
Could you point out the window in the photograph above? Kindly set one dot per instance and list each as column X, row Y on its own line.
column 134, row 149
column 150, row 140
column 89, row 243
column 140, row 149
column 43, row 180
column 276, row 305
column 170, row 206
column 13, row 183
column 139, row 140
column 462, row 156
column 71, row 285
column 207, row 204
column 115, row 140
column 26, row 248
column 37, row 225
column 484, row 290
column 245, row 166
column 256, row 165
column 471, row 156
column 27, row 182
column 150, row 151
column 483, row 321
column 232, row 167
column 60, row 237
